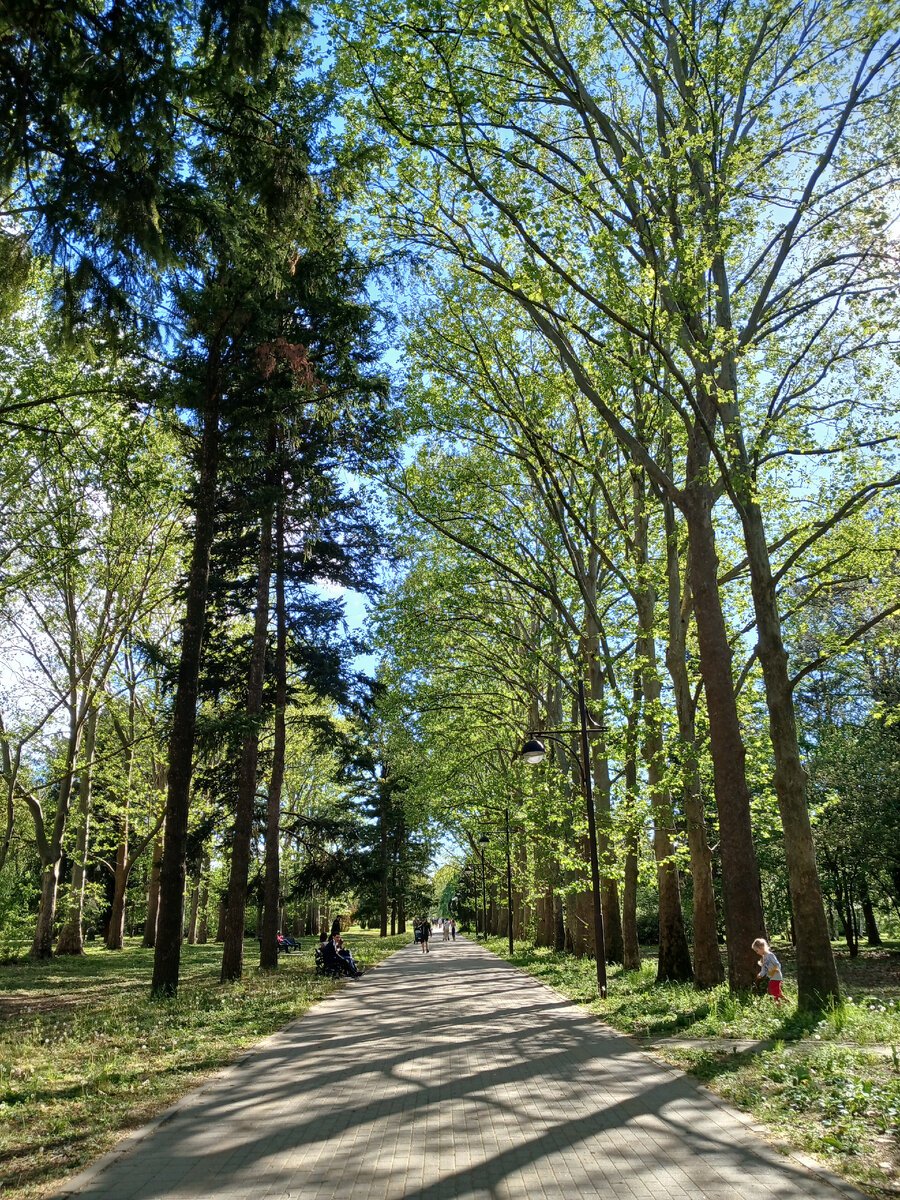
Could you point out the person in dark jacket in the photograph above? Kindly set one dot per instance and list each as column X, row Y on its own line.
column 334, row 962
column 425, row 931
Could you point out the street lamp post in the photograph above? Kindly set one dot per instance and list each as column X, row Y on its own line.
column 533, row 752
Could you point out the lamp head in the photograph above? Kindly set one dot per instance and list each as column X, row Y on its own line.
column 483, row 840
column 533, row 752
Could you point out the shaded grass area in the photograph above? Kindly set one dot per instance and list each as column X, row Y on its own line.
column 825, row 1083
column 86, row 1055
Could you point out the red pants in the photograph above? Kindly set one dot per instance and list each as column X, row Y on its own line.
column 775, row 989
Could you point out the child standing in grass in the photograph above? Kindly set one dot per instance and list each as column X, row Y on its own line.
column 769, row 968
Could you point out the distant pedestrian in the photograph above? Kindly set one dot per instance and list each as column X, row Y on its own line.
column 453, row 930
column 425, row 933
column 335, row 926
column 445, row 926
column 769, row 968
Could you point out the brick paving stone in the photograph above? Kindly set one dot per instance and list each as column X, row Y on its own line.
column 449, row 1076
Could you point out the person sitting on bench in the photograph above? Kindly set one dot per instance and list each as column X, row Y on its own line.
column 346, row 956
column 333, row 962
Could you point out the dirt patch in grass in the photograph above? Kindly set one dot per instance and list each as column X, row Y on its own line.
column 18, row 1006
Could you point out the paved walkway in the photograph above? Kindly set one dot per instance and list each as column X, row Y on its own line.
column 449, row 1076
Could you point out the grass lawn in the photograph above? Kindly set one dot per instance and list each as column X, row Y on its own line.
column 828, row 1085
column 86, row 1056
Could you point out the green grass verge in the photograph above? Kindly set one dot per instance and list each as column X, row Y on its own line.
column 827, row 1084
column 86, row 1055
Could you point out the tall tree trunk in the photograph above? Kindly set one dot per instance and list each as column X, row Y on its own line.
column 50, row 848
column 233, row 951
column 613, row 937
column 631, row 947
column 674, row 962
column 10, row 773
column 873, row 937
column 203, row 929
column 43, row 933
column 195, row 905
column 609, row 889
column 71, row 937
column 6, row 840
column 741, row 888
column 708, row 969
column 817, row 980
column 384, row 847
column 153, row 893
column 115, row 937
column 268, row 946
column 170, row 920
column 559, row 925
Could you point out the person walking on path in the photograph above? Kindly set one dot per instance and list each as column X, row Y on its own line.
column 453, row 929
column 769, row 968
column 425, row 932
column 445, row 925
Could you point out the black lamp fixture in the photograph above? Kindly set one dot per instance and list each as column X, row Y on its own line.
column 533, row 752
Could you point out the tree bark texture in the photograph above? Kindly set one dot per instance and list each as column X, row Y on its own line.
column 674, row 960
column 71, row 937
column 233, row 950
column 203, row 929
column 559, row 928
column 194, row 918
column 50, row 848
column 268, row 946
column 873, row 937
column 153, row 894
column 10, row 773
column 170, row 919
column 708, row 968
column 817, row 981
column 631, row 955
column 115, row 937
column 613, row 937
column 741, row 889
column 384, row 847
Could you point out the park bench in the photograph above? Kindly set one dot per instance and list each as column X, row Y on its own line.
column 286, row 945
column 322, row 969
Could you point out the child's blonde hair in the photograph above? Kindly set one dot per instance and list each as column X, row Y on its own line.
column 761, row 943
